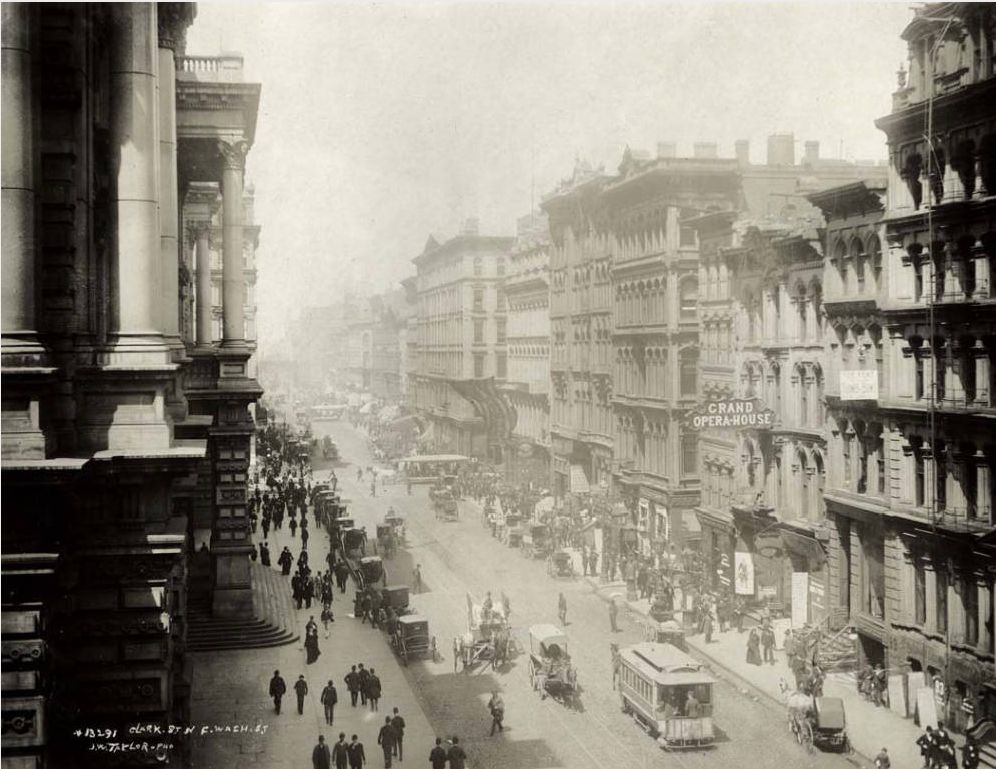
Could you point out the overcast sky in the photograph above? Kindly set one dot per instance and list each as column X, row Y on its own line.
column 379, row 124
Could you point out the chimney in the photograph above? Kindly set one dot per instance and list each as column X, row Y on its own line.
column 704, row 150
column 471, row 227
column 666, row 150
column 741, row 149
column 781, row 150
column 812, row 153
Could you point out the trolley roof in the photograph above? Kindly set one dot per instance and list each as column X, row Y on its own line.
column 435, row 458
column 666, row 664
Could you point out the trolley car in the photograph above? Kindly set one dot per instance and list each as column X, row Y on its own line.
column 668, row 693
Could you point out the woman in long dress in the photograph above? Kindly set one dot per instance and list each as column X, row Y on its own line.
column 311, row 644
column 753, row 647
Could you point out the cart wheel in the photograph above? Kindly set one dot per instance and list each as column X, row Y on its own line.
column 848, row 747
column 456, row 654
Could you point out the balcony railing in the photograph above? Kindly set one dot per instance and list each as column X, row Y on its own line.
column 211, row 69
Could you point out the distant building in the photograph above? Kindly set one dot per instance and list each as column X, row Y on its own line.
column 460, row 307
column 526, row 333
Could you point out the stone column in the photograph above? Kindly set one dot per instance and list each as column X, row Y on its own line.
column 202, row 251
column 233, row 270
column 136, row 317
column 170, row 26
column 20, row 345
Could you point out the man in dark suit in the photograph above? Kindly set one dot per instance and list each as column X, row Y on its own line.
column 277, row 690
column 386, row 739
column 320, row 756
column 340, row 752
column 357, row 758
column 399, row 734
column 353, row 685
column 437, row 756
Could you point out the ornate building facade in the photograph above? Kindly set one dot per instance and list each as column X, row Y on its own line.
column 461, row 306
column 118, row 427
column 527, row 336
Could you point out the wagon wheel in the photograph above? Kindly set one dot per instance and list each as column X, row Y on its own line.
column 435, row 650
column 532, row 674
column 456, row 654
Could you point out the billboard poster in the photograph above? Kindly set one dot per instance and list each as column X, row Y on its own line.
column 800, row 598
column 724, row 571
column 743, row 566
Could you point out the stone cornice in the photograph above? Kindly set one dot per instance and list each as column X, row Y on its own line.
column 174, row 18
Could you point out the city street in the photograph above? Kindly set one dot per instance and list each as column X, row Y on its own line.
column 457, row 557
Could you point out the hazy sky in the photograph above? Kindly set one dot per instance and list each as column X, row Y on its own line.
column 379, row 124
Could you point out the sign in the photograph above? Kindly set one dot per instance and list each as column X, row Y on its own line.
column 733, row 413
column 817, row 598
column 859, row 385
column 724, row 571
column 926, row 709
column 897, row 695
column 800, row 598
column 743, row 565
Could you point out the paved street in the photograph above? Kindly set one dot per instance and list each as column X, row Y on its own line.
column 461, row 556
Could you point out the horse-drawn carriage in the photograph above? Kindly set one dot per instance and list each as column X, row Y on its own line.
column 397, row 523
column 370, row 571
column 411, row 638
column 667, row 631
column 550, row 668
column 395, row 598
column 560, row 564
column 444, row 504
column 488, row 638
column 818, row 722
column 352, row 541
column 385, row 543
column 536, row 540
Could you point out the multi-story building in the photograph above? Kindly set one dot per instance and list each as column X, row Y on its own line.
column 461, row 305
column 580, row 334
column 388, row 344
column 110, row 408
column 527, row 334
column 655, row 339
column 911, row 396
column 359, row 345
column 761, row 330
column 250, row 242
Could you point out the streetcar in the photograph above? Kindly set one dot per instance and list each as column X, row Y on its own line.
column 669, row 693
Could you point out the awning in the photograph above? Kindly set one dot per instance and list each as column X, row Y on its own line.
column 579, row 480
column 769, row 544
column 805, row 547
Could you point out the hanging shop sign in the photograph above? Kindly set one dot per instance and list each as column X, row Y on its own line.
column 743, row 569
column 734, row 413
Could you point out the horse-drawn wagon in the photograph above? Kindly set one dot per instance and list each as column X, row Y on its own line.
column 550, row 668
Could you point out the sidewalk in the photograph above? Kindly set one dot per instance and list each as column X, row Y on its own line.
column 869, row 728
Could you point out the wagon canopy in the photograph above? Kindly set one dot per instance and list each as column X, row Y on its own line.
column 544, row 638
column 830, row 713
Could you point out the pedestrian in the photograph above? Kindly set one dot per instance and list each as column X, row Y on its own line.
column 768, row 643
column 301, row 689
column 327, row 617
column 264, row 554
column 882, row 760
column 789, row 644
column 277, row 690
column 707, row 627
column 613, row 614
column 340, row 752
column 321, row 758
column 330, row 697
column 304, row 536
column 497, row 707
column 417, row 578
column 357, row 758
column 285, row 561
column 437, row 756
column 363, row 677
column 293, row 526
column 399, row 735
column 385, row 738
column 562, row 609
column 456, row 755
column 753, row 647
column 353, row 685
column 373, row 690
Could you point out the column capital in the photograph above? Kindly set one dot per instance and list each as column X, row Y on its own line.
column 173, row 20
column 233, row 154
column 198, row 228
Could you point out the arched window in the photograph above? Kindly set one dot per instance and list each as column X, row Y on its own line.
column 689, row 372
column 478, row 266
column 874, row 251
column 859, row 257
column 803, row 401
column 840, row 261
column 803, row 484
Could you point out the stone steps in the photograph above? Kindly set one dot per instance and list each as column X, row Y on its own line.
column 272, row 623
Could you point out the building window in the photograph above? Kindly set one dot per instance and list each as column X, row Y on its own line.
column 501, row 330
column 919, row 594
column 689, row 372
column 918, row 376
column 478, row 300
column 689, row 299
column 478, row 331
column 941, row 615
column 880, row 465
column 970, row 604
column 846, row 457
column 478, row 266
column 941, row 478
column 502, row 365
column 920, row 479
column 689, row 453
column 501, row 266
column 478, row 365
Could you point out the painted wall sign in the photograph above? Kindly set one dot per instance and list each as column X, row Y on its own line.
column 859, row 385
column 736, row 413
